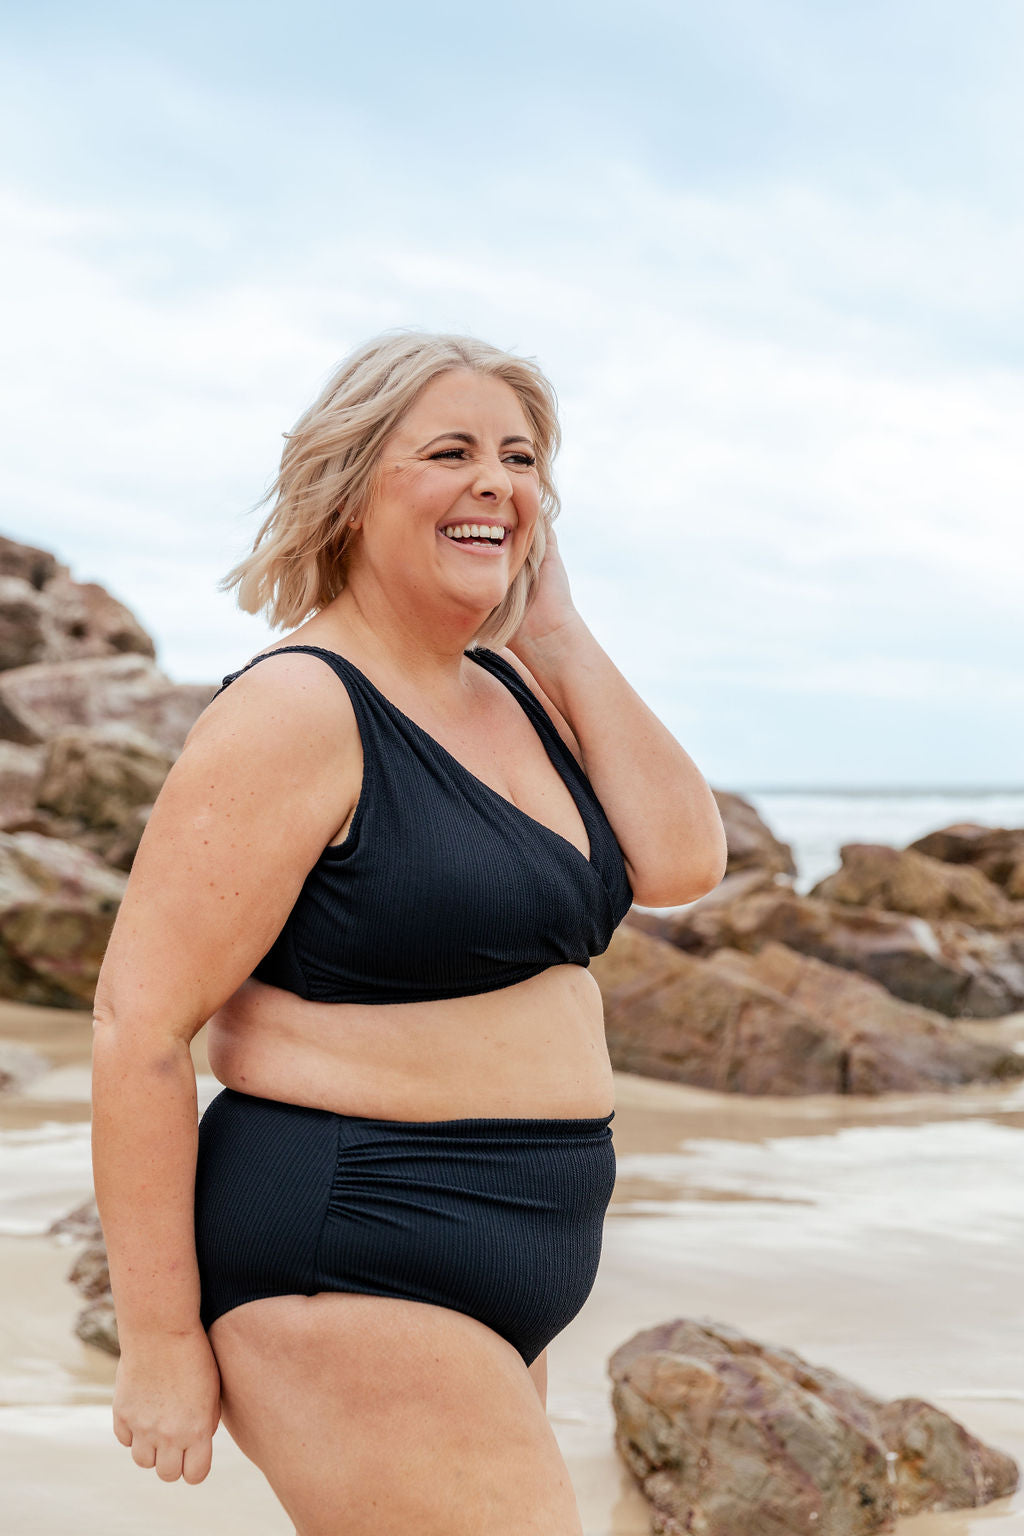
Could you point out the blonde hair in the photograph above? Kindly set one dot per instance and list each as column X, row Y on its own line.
column 328, row 473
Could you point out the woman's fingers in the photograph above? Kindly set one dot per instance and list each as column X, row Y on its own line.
column 143, row 1452
column 121, row 1430
column 168, row 1463
column 197, row 1461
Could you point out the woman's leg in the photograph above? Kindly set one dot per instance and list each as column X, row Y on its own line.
column 372, row 1414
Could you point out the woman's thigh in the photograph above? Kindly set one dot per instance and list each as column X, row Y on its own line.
column 370, row 1414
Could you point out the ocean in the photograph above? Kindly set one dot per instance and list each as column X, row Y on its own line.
column 816, row 822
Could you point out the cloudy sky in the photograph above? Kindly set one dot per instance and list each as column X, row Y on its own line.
column 769, row 251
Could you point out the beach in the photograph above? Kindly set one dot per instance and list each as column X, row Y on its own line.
column 883, row 1237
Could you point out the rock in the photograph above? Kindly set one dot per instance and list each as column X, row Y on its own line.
column 674, row 1016
column 947, row 966
column 21, row 768
column 997, row 851
column 45, row 616
column 750, row 843
column 97, row 1325
column 889, row 1046
column 57, row 907
column 101, row 775
column 776, row 1023
column 904, row 880
column 730, row 1437
column 82, row 1223
column 90, row 1274
column 38, row 702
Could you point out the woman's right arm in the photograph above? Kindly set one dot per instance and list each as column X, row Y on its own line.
column 268, row 774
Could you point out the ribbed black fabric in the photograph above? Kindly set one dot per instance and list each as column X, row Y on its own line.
column 498, row 1218
column 442, row 887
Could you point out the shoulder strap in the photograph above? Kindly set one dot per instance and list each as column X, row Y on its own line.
column 500, row 668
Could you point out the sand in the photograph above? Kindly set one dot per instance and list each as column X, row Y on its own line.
column 882, row 1237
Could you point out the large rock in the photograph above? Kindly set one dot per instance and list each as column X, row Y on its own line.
column 730, row 1437
column 947, row 965
column 751, row 843
column 46, row 616
column 905, row 880
column 101, row 775
column 776, row 1023
column 21, row 769
column 57, row 908
column 38, row 702
column 997, row 851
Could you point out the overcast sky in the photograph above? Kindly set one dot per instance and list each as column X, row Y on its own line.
column 770, row 254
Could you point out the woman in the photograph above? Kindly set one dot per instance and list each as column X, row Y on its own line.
column 415, row 820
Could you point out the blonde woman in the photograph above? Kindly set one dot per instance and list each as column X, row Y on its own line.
column 379, row 869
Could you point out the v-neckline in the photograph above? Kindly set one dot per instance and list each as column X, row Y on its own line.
column 588, row 858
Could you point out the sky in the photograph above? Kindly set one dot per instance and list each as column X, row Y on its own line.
column 768, row 251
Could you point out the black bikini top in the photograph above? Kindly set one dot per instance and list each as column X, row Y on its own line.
column 442, row 887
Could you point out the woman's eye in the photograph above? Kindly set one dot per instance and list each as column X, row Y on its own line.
column 449, row 453
column 526, row 459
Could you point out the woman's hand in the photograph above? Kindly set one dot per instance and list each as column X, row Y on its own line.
column 552, row 611
column 167, row 1404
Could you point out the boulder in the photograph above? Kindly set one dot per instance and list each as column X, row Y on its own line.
column 21, row 769
column 905, row 880
column 750, row 842
column 888, row 1046
column 997, row 851
column 731, row 1437
column 57, row 908
column 46, row 616
column 776, row 1022
column 946, row 965
column 39, row 702
column 101, row 775
column 90, row 1274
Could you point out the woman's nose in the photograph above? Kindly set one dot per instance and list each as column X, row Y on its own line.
column 493, row 482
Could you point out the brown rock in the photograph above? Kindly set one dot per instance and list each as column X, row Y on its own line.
column 751, row 844
column 57, row 907
column 945, row 965
column 730, row 1437
column 82, row 1223
column 45, row 616
column 38, row 702
column 888, row 1046
column 674, row 1016
column 101, row 775
column 21, row 769
column 776, row 1022
column 19, row 1065
column 97, row 1325
column 997, row 851
column 904, row 880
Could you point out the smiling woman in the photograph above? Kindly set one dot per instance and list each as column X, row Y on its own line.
column 379, row 870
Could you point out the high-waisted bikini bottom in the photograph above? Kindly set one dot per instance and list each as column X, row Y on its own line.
column 498, row 1218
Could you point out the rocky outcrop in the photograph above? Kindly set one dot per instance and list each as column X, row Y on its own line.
column 39, row 702
column 905, row 880
column 45, row 616
column 998, row 852
column 776, row 1022
column 751, row 844
column 21, row 769
column 731, row 1437
column 57, row 907
column 100, row 776
column 945, row 965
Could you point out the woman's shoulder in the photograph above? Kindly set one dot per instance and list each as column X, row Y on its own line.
column 280, row 695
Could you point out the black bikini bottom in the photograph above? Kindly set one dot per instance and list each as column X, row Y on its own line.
column 499, row 1218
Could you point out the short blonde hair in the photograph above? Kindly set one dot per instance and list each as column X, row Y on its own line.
column 329, row 469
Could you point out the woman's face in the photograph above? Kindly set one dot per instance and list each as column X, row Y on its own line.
column 462, row 457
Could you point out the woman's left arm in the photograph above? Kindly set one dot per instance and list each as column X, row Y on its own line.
column 659, row 804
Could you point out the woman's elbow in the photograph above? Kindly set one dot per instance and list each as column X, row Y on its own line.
column 676, row 887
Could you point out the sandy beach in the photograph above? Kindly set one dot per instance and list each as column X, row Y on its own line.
column 882, row 1237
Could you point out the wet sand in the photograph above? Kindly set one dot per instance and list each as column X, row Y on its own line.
column 883, row 1237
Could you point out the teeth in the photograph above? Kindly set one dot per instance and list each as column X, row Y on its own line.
column 475, row 531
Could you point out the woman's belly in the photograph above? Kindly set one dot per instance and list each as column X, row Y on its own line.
column 533, row 1049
